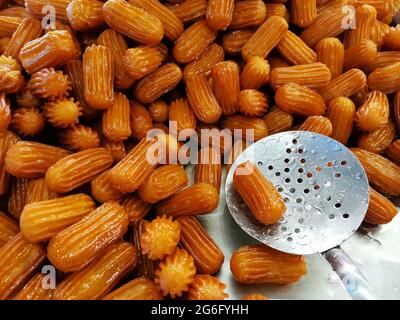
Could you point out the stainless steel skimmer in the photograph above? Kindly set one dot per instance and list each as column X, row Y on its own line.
column 323, row 185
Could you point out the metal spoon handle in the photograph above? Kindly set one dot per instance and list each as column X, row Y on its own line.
column 354, row 281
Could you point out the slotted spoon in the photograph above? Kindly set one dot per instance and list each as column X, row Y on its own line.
column 324, row 186
column 326, row 192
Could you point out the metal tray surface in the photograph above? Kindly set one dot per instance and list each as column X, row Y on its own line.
column 376, row 253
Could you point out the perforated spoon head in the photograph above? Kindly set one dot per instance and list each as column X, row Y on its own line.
column 324, row 187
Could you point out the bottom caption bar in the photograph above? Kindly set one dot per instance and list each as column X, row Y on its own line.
column 200, row 309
